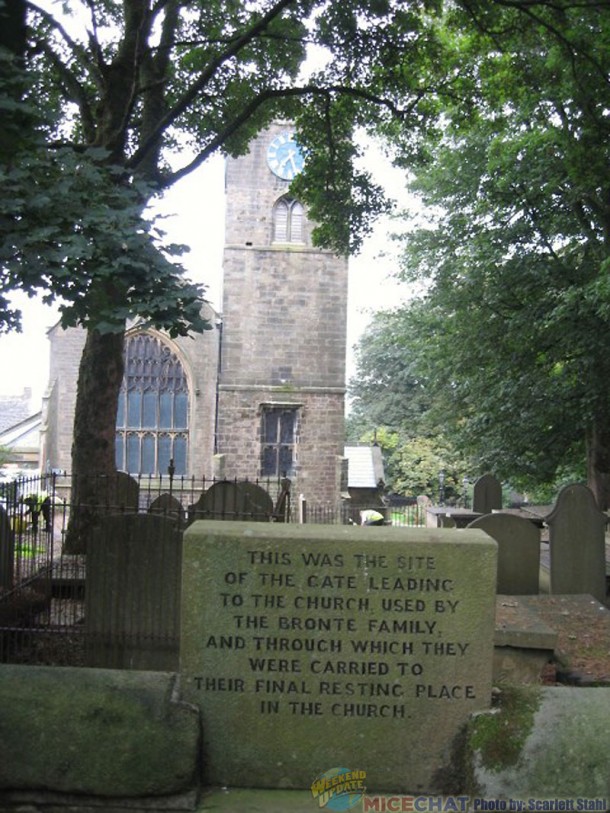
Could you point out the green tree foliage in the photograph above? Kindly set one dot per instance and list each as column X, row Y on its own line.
column 512, row 334
column 389, row 390
column 392, row 404
column 144, row 93
column 110, row 265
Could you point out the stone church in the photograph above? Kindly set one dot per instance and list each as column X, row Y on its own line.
column 262, row 394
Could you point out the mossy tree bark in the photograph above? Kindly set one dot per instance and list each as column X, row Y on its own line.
column 598, row 463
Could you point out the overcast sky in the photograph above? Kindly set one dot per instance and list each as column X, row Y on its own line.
column 197, row 206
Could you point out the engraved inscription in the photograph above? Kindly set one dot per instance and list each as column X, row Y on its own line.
column 313, row 634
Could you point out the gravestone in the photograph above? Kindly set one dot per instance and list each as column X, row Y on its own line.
column 258, row 505
column 127, row 492
column 233, row 501
column 222, row 500
column 518, row 552
column 486, row 494
column 132, row 593
column 118, row 492
column 312, row 647
column 167, row 506
column 7, row 551
column 577, row 543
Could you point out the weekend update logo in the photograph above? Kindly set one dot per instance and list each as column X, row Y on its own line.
column 339, row 788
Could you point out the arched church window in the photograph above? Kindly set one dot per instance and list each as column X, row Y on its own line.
column 152, row 418
column 288, row 221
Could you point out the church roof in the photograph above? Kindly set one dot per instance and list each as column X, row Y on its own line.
column 25, row 433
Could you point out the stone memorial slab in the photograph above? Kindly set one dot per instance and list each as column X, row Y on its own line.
column 577, row 543
column 309, row 648
column 233, row 501
column 518, row 552
column 119, row 492
column 524, row 643
column 132, row 593
column 167, row 506
column 487, row 494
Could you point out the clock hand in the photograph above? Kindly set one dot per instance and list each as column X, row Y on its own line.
column 292, row 161
column 289, row 157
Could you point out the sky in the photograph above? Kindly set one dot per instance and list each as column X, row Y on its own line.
column 194, row 216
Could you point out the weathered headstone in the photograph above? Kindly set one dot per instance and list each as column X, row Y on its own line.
column 518, row 552
column 258, row 505
column 127, row 492
column 312, row 647
column 167, row 506
column 118, row 492
column 524, row 643
column 7, row 551
column 222, row 500
column 486, row 494
column 577, row 543
column 233, row 501
column 133, row 592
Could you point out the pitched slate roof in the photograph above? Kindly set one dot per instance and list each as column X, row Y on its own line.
column 14, row 409
column 24, row 433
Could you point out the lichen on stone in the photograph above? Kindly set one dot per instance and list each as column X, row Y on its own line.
column 498, row 738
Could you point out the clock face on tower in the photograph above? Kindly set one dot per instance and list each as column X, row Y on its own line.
column 284, row 156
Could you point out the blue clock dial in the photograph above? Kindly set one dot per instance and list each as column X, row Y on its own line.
column 284, row 156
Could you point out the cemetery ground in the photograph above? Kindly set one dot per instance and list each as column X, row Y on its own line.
column 562, row 638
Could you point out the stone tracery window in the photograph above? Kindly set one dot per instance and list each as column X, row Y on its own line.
column 152, row 418
column 288, row 221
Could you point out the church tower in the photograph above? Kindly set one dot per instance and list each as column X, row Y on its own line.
column 282, row 373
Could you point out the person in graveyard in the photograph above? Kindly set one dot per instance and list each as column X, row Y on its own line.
column 37, row 504
column 371, row 517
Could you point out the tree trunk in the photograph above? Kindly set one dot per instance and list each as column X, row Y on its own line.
column 598, row 462
column 93, row 446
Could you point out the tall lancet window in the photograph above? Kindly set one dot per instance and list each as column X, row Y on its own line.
column 152, row 419
column 288, row 221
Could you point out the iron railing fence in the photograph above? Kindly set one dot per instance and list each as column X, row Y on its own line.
column 44, row 616
column 350, row 514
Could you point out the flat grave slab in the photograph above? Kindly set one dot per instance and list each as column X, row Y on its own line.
column 519, row 625
column 582, row 625
column 524, row 643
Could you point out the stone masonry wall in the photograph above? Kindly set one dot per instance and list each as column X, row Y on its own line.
column 284, row 331
column 319, row 437
column 199, row 356
column 66, row 347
